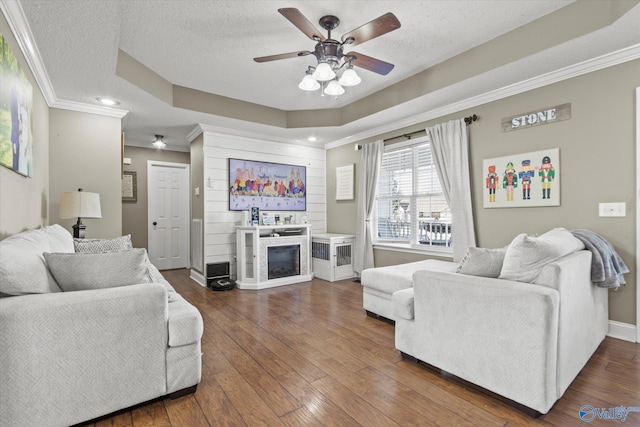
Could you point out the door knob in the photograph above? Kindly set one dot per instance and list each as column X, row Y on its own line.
column 155, row 223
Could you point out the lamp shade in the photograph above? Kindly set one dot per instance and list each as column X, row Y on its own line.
column 350, row 78
column 323, row 72
column 334, row 88
column 80, row 204
column 309, row 83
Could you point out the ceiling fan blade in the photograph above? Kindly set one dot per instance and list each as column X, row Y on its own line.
column 282, row 56
column 379, row 26
column 371, row 64
column 298, row 19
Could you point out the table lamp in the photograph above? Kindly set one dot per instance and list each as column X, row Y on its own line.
column 79, row 204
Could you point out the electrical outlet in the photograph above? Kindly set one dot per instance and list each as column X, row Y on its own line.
column 612, row 209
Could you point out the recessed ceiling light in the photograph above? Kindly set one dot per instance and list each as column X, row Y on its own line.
column 108, row 101
column 312, row 139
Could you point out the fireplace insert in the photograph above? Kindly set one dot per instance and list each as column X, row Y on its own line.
column 283, row 261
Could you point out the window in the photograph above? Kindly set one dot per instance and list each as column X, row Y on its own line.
column 411, row 208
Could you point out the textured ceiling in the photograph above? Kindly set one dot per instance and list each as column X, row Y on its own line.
column 210, row 46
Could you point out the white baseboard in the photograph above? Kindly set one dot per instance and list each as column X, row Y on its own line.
column 622, row 331
column 197, row 277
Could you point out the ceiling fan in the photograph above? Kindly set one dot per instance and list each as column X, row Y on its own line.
column 330, row 53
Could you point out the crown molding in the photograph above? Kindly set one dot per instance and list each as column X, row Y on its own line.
column 14, row 14
column 19, row 25
column 218, row 130
column 88, row 108
column 195, row 132
column 608, row 60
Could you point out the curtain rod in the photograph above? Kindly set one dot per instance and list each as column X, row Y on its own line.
column 468, row 120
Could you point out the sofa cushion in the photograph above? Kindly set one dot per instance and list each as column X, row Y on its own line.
column 81, row 271
column 93, row 246
column 526, row 256
column 22, row 268
column 393, row 278
column 482, row 262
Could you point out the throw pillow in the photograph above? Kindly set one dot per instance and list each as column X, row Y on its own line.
column 22, row 268
column 526, row 256
column 482, row 262
column 81, row 271
column 94, row 246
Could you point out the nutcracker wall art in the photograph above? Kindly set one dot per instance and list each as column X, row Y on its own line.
column 522, row 180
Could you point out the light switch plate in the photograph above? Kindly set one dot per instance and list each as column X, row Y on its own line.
column 612, row 209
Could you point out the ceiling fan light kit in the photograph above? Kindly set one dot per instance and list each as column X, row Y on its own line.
column 329, row 53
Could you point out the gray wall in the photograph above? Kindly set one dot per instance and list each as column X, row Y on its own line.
column 134, row 214
column 85, row 152
column 341, row 218
column 597, row 155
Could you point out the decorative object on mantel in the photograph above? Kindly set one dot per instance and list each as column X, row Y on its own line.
column 79, row 204
column 329, row 53
column 344, row 182
column 537, row 118
column 268, row 219
column 129, row 186
column 255, row 215
column 522, row 180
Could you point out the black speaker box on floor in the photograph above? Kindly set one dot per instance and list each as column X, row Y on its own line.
column 218, row 278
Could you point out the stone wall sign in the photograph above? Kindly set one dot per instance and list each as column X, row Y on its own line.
column 536, row 118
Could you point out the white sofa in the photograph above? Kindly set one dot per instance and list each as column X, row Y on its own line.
column 526, row 341
column 69, row 357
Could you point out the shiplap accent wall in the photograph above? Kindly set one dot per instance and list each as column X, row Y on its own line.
column 219, row 222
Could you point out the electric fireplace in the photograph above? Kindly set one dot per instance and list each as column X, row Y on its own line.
column 283, row 261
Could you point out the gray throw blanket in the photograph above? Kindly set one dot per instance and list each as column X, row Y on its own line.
column 607, row 268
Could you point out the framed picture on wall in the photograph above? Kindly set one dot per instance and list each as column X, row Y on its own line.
column 345, row 182
column 267, row 186
column 129, row 186
column 16, row 108
column 522, row 180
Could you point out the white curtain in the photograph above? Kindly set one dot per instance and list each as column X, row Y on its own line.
column 367, row 183
column 450, row 149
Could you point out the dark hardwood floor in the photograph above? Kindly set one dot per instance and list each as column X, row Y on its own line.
column 307, row 355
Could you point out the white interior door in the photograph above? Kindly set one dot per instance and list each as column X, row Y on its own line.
column 168, row 214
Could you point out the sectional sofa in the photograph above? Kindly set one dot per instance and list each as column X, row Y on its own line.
column 88, row 333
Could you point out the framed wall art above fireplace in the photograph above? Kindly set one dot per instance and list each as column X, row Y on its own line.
column 267, row 186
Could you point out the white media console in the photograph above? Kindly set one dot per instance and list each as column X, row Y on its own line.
column 273, row 255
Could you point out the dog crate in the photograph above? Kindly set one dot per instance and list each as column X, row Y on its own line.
column 332, row 256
